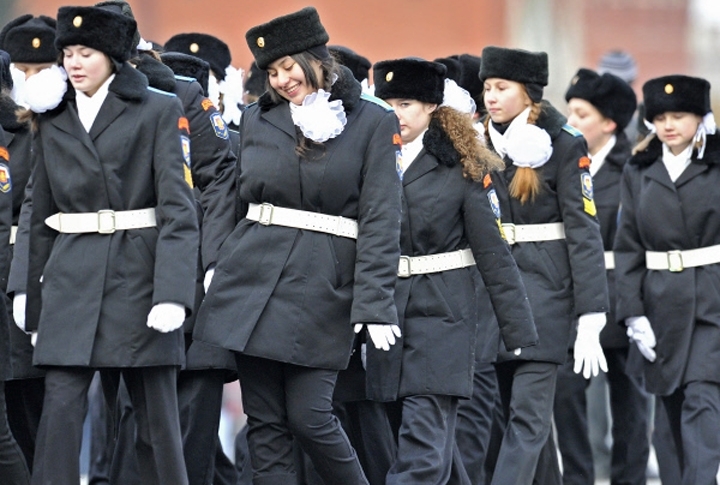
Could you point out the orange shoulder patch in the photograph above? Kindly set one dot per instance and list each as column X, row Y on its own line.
column 206, row 104
column 184, row 124
column 4, row 154
column 487, row 181
column 584, row 162
column 397, row 140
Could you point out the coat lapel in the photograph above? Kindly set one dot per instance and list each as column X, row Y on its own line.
column 659, row 174
column 111, row 108
column 279, row 116
column 419, row 167
column 68, row 121
column 692, row 171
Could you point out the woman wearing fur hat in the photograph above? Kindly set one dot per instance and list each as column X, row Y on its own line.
column 549, row 218
column 113, row 245
column 600, row 107
column 449, row 232
column 667, row 251
column 313, row 250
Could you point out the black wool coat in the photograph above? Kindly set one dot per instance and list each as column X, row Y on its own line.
column 444, row 211
column 97, row 289
column 293, row 295
column 19, row 141
column 5, row 223
column 683, row 307
column 563, row 278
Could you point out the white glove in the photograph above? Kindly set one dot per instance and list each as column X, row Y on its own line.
column 382, row 336
column 640, row 331
column 19, row 304
column 517, row 351
column 166, row 317
column 588, row 353
column 208, row 277
column 33, row 338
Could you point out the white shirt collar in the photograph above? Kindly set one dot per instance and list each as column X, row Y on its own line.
column 676, row 164
column 411, row 150
column 598, row 160
column 89, row 106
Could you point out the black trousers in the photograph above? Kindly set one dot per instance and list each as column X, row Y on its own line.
column 694, row 415
column 629, row 407
column 527, row 452
column 12, row 462
column 426, row 441
column 24, row 398
column 154, row 400
column 284, row 402
column 664, row 444
column 474, row 422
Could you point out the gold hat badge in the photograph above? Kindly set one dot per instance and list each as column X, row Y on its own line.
column 261, row 42
column 389, row 76
column 36, row 42
column 77, row 21
column 194, row 48
column 669, row 89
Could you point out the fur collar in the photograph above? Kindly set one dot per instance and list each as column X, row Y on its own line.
column 8, row 117
column 346, row 88
column 551, row 120
column 654, row 152
column 439, row 144
column 129, row 84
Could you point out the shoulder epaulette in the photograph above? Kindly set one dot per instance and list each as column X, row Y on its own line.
column 160, row 91
column 185, row 78
column 572, row 130
column 377, row 101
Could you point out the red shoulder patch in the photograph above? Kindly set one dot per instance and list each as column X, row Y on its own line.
column 397, row 140
column 184, row 124
column 4, row 154
column 487, row 181
column 584, row 162
column 206, row 104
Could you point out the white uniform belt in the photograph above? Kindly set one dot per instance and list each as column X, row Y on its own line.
column 516, row 233
column 434, row 263
column 609, row 260
column 270, row 215
column 103, row 222
column 13, row 234
column 678, row 260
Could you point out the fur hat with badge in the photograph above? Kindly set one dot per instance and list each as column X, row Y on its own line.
column 207, row 47
column 528, row 68
column 102, row 28
column 30, row 39
column 359, row 65
column 613, row 97
column 410, row 78
column 287, row 35
column 676, row 93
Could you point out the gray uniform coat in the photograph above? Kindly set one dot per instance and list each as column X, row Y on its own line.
column 97, row 289
column 293, row 295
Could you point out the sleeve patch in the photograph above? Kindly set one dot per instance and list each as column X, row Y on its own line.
column 206, row 104
column 587, row 192
column 185, row 141
column 584, row 162
column 4, row 154
column 487, row 181
column 219, row 126
column 184, row 124
column 397, row 140
column 5, row 181
column 494, row 203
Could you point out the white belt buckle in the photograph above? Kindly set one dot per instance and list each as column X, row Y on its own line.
column 675, row 261
column 266, row 213
column 509, row 230
column 106, row 221
column 404, row 267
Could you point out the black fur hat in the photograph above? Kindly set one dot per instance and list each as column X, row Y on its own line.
column 207, row 47
column 359, row 65
column 676, row 93
column 410, row 78
column 6, row 80
column 188, row 66
column 287, row 35
column 470, row 74
column 255, row 80
column 613, row 97
column 101, row 28
column 126, row 10
column 30, row 39
column 454, row 68
column 514, row 64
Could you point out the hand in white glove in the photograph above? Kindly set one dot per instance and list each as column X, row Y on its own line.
column 19, row 304
column 588, row 353
column 33, row 338
column 382, row 336
column 166, row 317
column 640, row 331
column 208, row 277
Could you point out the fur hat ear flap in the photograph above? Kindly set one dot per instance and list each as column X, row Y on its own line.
column 207, row 47
column 30, row 39
column 286, row 35
column 410, row 78
column 188, row 66
column 613, row 97
column 515, row 65
column 676, row 93
column 101, row 28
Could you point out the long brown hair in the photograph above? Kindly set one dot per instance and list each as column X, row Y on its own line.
column 476, row 159
column 525, row 184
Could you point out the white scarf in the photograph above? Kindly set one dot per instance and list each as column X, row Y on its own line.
column 89, row 106
column 526, row 145
column 319, row 118
column 676, row 164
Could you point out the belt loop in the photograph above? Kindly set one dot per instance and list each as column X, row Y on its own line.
column 266, row 213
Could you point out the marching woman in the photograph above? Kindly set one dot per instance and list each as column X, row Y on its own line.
column 667, row 251
column 549, row 218
column 313, row 250
column 448, row 232
column 113, row 246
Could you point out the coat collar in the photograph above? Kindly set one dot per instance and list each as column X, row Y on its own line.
column 8, row 118
column 551, row 120
column 620, row 153
column 129, row 84
column 653, row 153
column 423, row 164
